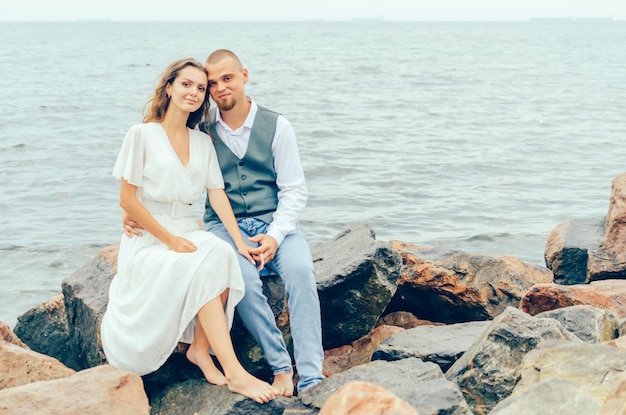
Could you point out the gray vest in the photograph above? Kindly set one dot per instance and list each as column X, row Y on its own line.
column 250, row 182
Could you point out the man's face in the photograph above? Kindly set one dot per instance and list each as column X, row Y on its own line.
column 227, row 83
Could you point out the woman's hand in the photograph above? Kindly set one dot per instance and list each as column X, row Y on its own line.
column 178, row 244
column 244, row 250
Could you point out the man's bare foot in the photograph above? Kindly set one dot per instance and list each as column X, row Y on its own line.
column 247, row 385
column 284, row 383
column 205, row 363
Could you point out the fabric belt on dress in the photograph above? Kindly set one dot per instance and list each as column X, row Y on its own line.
column 174, row 209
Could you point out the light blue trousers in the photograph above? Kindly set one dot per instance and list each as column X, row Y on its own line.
column 294, row 265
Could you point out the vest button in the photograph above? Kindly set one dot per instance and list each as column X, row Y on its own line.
column 240, row 163
column 245, row 193
column 243, row 177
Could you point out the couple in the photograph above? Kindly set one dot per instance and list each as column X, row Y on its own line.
column 176, row 282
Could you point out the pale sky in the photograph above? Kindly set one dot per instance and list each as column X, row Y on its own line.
column 251, row 10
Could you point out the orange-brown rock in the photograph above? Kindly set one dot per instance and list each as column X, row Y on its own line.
column 606, row 294
column 364, row 398
column 20, row 366
column 359, row 352
column 7, row 335
column 102, row 390
column 454, row 286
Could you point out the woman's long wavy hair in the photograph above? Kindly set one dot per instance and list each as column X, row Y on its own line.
column 155, row 108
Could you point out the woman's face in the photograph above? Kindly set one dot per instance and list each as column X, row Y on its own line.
column 188, row 90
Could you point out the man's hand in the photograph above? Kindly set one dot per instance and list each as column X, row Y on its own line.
column 130, row 226
column 266, row 250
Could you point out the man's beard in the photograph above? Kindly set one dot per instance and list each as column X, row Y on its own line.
column 226, row 105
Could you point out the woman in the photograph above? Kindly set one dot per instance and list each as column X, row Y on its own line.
column 176, row 282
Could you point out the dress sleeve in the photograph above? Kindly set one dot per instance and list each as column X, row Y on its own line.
column 214, row 179
column 129, row 164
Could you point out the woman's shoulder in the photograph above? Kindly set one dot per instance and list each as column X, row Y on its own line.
column 144, row 129
column 138, row 128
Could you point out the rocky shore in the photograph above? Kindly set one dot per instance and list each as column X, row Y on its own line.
column 408, row 329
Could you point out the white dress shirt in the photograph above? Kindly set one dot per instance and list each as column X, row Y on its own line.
column 292, row 193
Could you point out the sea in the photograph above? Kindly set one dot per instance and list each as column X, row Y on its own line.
column 474, row 136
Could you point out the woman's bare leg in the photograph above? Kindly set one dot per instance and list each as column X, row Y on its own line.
column 198, row 354
column 213, row 321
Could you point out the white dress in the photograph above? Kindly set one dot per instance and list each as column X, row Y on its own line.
column 156, row 293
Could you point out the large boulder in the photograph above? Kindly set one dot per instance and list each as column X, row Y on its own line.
column 585, row 250
column 356, row 279
column 488, row 371
column 451, row 286
column 102, row 390
column 569, row 248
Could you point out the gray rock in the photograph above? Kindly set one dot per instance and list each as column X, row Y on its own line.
column 356, row 279
column 487, row 372
column 555, row 396
column 588, row 323
column 44, row 329
column 569, row 246
column 420, row 384
column 441, row 345
column 86, row 294
column 196, row 396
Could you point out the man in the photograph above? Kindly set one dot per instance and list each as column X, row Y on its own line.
column 265, row 184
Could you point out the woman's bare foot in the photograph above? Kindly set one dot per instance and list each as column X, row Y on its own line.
column 205, row 363
column 283, row 382
column 247, row 385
